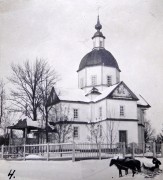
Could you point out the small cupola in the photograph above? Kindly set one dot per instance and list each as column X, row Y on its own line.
column 93, row 93
column 98, row 38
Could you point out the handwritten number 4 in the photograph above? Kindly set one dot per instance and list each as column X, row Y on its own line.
column 10, row 174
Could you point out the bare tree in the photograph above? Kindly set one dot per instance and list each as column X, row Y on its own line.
column 31, row 87
column 112, row 127
column 60, row 116
column 148, row 131
column 159, row 138
column 2, row 100
column 95, row 132
column 5, row 113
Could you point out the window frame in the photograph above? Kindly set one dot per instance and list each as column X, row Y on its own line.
column 94, row 80
column 100, row 112
column 74, row 135
column 122, row 110
column 107, row 80
column 75, row 113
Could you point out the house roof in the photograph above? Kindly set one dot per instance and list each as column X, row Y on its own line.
column 25, row 123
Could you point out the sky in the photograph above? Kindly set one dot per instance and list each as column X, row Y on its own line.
column 60, row 32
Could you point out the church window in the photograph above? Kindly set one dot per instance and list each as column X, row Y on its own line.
column 109, row 80
column 122, row 112
column 100, row 112
column 94, row 80
column 76, row 132
column 76, row 113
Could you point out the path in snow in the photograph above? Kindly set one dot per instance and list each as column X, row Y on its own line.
column 65, row 170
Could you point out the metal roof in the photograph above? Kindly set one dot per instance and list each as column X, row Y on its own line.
column 98, row 57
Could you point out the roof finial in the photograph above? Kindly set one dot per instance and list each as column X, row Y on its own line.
column 98, row 26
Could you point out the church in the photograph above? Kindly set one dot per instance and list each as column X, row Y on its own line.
column 103, row 108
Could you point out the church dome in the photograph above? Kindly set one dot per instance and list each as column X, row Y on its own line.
column 98, row 57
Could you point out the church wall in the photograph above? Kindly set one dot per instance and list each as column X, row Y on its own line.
column 110, row 71
column 129, row 126
column 141, row 118
column 101, row 73
column 141, row 115
column 113, row 109
column 96, row 111
column 84, row 133
column 140, row 134
column 84, row 111
column 94, row 71
column 82, row 77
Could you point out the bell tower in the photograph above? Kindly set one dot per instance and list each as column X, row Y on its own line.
column 98, row 69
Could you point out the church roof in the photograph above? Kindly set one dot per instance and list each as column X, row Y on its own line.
column 98, row 57
column 105, row 93
column 70, row 95
column 142, row 102
column 79, row 96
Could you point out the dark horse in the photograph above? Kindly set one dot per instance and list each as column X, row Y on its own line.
column 125, row 164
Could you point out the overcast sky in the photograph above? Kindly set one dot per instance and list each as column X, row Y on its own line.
column 60, row 31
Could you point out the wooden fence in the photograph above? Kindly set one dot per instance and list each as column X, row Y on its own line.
column 76, row 151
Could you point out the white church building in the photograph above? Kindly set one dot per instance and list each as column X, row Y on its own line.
column 102, row 106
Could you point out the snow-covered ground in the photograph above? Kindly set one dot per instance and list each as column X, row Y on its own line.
column 65, row 170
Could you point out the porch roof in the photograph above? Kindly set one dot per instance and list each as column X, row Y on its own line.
column 25, row 124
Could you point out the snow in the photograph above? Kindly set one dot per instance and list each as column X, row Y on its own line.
column 33, row 156
column 32, row 123
column 73, row 95
column 120, row 156
column 65, row 170
column 106, row 92
column 78, row 95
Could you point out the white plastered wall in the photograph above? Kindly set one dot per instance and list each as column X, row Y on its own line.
column 101, row 73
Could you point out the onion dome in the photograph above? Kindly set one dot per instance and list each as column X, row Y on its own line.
column 98, row 57
column 98, row 27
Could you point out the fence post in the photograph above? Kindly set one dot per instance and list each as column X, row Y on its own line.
column 73, row 152
column 133, row 150
column 2, row 151
column 100, row 150
column 24, row 152
column 161, row 149
column 154, row 149
column 124, row 149
column 47, row 151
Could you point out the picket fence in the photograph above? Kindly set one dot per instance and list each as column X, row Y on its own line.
column 78, row 151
